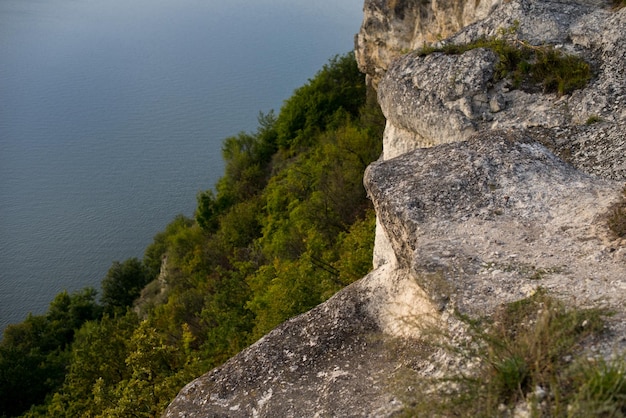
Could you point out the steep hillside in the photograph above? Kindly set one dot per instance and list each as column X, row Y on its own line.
column 287, row 226
column 499, row 281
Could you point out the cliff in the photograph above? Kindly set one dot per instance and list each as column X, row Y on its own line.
column 487, row 190
column 393, row 27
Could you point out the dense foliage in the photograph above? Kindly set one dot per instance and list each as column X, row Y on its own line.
column 287, row 226
column 35, row 353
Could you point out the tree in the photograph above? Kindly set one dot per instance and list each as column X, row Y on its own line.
column 97, row 360
column 35, row 353
column 123, row 284
column 339, row 86
column 208, row 211
column 152, row 364
column 153, row 255
column 27, row 373
column 67, row 313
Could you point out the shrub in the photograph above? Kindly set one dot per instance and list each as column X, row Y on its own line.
column 123, row 284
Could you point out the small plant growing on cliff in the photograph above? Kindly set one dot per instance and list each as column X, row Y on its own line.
column 526, row 354
column 617, row 216
column 559, row 72
column 593, row 119
column 527, row 65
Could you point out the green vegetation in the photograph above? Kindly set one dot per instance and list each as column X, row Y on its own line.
column 593, row 119
column 616, row 219
column 122, row 284
column 527, row 66
column 286, row 227
column 35, row 353
column 529, row 352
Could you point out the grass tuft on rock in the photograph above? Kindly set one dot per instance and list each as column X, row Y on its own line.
column 593, row 119
column 527, row 65
column 529, row 356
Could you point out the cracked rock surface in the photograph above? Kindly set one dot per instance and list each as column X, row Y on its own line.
column 489, row 220
column 438, row 98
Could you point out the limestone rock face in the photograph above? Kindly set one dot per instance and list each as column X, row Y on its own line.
column 441, row 90
column 476, row 221
column 483, row 194
column 392, row 27
column 438, row 98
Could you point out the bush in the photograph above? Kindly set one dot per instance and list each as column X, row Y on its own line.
column 123, row 284
column 339, row 86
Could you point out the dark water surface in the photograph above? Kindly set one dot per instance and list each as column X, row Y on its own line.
column 112, row 115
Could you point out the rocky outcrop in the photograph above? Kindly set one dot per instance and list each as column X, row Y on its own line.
column 483, row 194
column 392, row 27
column 471, row 225
column 419, row 93
column 485, row 221
column 339, row 359
column 438, row 98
